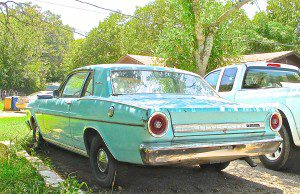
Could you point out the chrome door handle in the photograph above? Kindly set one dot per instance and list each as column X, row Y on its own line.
column 68, row 102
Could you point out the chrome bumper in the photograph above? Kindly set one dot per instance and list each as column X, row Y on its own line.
column 204, row 153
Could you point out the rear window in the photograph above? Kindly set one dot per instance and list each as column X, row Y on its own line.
column 269, row 77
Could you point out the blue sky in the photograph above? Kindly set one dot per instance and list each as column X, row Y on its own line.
column 84, row 17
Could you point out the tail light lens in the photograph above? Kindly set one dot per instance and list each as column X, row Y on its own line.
column 158, row 124
column 276, row 122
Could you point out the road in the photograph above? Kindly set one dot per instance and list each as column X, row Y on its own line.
column 237, row 178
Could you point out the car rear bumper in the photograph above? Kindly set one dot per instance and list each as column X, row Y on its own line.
column 203, row 153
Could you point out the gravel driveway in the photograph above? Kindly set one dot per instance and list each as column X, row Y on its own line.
column 237, row 178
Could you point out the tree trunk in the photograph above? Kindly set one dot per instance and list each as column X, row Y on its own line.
column 204, row 42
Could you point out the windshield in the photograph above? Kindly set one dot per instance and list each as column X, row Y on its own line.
column 270, row 77
column 158, row 82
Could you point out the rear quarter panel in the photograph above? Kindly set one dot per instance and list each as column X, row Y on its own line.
column 283, row 99
column 123, row 133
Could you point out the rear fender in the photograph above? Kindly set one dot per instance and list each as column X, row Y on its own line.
column 290, row 118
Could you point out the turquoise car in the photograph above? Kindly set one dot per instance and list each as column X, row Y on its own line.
column 145, row 115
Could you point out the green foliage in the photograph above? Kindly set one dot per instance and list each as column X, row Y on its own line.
column 18, row 176
column 13, row 128
column 1, row 105
column 286, row 12
column 277, row 29
column 32, row 45
column 71, row 185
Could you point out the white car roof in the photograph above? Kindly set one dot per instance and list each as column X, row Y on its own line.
column 262, row 64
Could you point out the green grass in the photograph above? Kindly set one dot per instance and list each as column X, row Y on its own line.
column 13, row 128
column 1, row 104
column 17, row 175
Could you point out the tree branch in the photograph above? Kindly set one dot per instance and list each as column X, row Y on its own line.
column 230, row 11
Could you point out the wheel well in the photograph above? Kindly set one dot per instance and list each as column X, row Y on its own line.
column 89, row 133
column 287, row 125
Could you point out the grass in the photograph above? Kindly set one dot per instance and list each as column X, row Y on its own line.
column 1, row 104
column 17, row 175
column 13, row 128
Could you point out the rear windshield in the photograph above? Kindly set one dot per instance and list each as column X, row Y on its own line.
column 269, row 77
column 158, row 82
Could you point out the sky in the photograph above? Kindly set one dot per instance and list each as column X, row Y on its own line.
column 84, row 17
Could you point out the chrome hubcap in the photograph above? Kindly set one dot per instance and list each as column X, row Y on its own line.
column 275, row 155
column 102, row 160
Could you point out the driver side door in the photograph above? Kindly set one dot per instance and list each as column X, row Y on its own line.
column 57, row 115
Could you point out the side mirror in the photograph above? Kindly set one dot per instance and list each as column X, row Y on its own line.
column 55, row 93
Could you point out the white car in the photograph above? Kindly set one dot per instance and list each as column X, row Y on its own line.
column 266, row 84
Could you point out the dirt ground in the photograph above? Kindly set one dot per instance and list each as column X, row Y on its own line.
column 237, row 178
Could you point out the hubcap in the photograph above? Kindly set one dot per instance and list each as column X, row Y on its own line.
column 275, row 155
column 102, row 160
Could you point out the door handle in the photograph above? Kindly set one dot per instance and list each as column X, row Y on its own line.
column 68, row 102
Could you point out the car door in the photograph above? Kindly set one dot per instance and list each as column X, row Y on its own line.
column 57, row 116
column 80, row 110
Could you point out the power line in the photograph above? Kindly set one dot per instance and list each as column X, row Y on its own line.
column 62, row 5
column 106, row 9
column 61, row 27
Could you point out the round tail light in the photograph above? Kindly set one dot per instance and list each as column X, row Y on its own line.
column 158, row 124
column 276, row 122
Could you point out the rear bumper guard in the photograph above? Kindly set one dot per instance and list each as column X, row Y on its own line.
column 204, row 153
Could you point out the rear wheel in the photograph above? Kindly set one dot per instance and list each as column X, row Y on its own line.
column 285, row 156
column 216, row 166
column 105, row 168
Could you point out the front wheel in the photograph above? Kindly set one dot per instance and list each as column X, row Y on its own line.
column 104, row 167
column 216, row 166
column 284, row 157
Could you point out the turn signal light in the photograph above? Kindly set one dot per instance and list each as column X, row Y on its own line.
column 158, row 124
column 276, row 122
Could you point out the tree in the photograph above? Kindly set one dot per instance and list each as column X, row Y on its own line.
column 205, row 29
column 277, row 29
column 178, row 41
column 32, row 44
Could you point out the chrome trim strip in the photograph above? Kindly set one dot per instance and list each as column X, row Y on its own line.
column 93, row 120
column 69, row 148
column 203, row 153
column 189, row 128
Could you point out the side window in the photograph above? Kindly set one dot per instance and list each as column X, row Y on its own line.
column 74, row 85
column 89, row 86
column 228, row 79
column 212, row 78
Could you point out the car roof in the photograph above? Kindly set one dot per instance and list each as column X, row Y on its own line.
column 134, row 67
column 260, row 64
